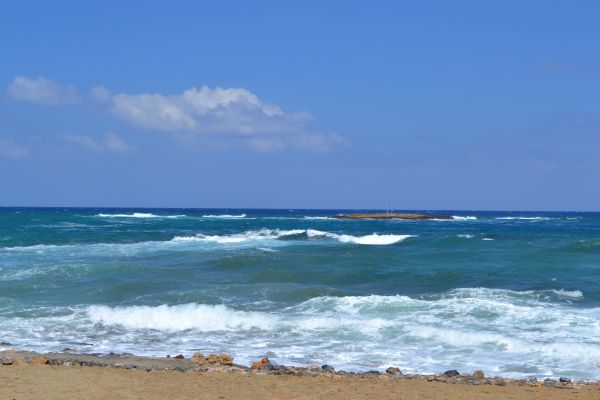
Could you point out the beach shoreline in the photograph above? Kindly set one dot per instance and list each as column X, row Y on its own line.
column 32, row 374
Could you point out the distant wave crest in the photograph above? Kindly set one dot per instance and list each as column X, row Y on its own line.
column 138, row 215
column 225, row 216
column 463, row 218
column 372, row 239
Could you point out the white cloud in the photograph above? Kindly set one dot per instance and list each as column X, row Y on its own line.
column 42, row 91
column 111, row 143
column 235, row 115
column 12, row 150
column 233, row 112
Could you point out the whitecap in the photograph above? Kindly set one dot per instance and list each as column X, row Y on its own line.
column 524, row 218
column 138, row 215
column 373, row 239
column 225, row 216
column 200, row 317
column 573, row 294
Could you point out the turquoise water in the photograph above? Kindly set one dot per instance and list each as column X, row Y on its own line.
column 513, row 294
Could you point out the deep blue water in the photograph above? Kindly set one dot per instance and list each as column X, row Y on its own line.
column 513, row 294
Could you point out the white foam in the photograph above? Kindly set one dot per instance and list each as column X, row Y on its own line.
column 463, row 218
column 138, row 215
column 373, row 239
column 200, row 317
column 504, row 332
column 267, row 249
column 465, row 236
column 266, row 234
column 573, row 294
column 225, row 216
column 316, row 218
column 524, row 218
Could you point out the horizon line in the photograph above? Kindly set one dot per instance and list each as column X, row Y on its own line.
column 291, row 209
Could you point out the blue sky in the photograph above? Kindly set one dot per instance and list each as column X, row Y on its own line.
column 425, row 104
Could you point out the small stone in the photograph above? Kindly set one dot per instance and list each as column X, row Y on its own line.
column 199, row 358
column 3, row 343
column 225, row 359
column 7, row 362
column 118, row 365
column 168, row 356
column 40, row 360
column 564, row 380
column 262, row 364
column 549, row 382
column 478, row 374
column 67, row 363
column 451, row 373
column 180, row 357
column 499, row 382
column 19, row 361
column 393, row 371
column 328, row 368
column 212, row 359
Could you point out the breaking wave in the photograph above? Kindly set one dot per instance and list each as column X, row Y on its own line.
column 200, row 317
column 499, row 331
column 265, row 234
column 138, row 215
column 225, row 216
column 524, row 218
column 463, row 218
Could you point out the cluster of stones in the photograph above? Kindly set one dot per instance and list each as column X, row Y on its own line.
column 224, row 363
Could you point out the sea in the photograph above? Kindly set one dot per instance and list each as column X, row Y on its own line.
column 514, row 294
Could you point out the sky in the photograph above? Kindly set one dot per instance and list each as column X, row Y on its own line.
column 462, row 105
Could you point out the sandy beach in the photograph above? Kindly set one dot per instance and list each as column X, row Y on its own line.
column 60, row 382
column 28, row 375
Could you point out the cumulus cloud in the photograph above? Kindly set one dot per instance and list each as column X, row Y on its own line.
column 10, row 149
column 233, row 112
column 235, row 115
column 42, row 91
column 111, row 143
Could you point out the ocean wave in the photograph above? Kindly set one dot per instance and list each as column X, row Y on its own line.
column 249, row 238
column 465, row 236
column 225, row 216
column 501, row 331
column 525, row 218
column 463, row 218
column 200, row 317
column 264, row 234
column 316, row 218
column 572, row 294
column 373, row 239
column 138, row 215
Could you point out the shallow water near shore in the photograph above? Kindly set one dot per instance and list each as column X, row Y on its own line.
column 513, row 294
